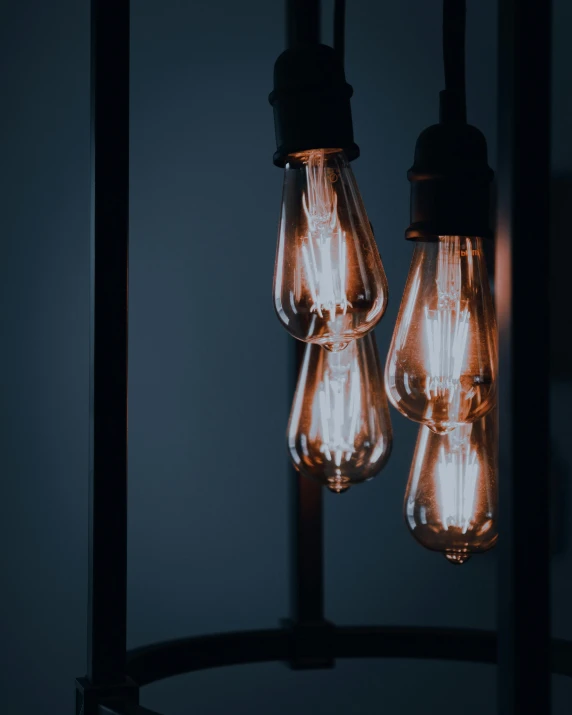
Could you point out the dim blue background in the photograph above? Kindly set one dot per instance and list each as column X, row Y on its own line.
column 209, row 362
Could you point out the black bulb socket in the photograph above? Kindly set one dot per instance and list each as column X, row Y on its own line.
column 311, row 102
column 450, row 178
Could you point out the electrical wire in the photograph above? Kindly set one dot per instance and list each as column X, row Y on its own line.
column 339, row 28
column 302, row 22
column 454, row 24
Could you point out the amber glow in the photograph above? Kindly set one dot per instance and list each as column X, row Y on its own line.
column 329, row 283
column 340, row 430
column 451, row 498
column 457, row 474
column 441, row 365
column 503, row 289
column 324, row 249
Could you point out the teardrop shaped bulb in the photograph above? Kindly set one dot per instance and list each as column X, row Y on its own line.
column 329, row 283
column 451, row 498
column 340, row 429
column 441, row 365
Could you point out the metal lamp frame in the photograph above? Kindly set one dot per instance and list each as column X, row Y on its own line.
column 521, row 647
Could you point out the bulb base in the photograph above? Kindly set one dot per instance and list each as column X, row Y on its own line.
column 450, row 181
column 311, row 101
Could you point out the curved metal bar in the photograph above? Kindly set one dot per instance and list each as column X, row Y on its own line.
column 164, row 660
column 413, row 642
column 167, row 659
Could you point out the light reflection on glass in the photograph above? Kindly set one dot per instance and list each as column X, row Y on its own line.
column 340, row 430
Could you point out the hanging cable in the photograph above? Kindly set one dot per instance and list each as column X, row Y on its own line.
column 302, row 23
column 453, row 99
column 340, row 28
column 450, row 177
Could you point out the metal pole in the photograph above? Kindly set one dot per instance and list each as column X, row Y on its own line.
column 312, row 635
column 108, row 370
column 310, row 647
column 522, row 275
column 307, row 550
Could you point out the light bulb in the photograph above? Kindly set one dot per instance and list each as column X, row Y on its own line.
column 451, row 498
column 441, row 365
column 340, row 429
column 329, row 283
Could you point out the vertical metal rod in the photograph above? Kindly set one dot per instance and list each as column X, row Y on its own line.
column 302, row 22
column 307, row 550
column 523, row 311
column 108, row 351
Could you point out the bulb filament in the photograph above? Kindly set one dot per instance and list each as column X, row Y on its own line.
column 447, row 331
column 324, row 248
column 457, row 476
column 336, row 423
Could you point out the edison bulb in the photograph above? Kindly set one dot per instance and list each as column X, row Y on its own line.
column 451, row 498
column 329, row 283
column 340, row 429
column 441, row 366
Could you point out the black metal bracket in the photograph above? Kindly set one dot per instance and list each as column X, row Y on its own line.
column 307, row 641
column 88, row 697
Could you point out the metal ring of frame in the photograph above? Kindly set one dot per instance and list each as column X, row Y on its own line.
column 176, row 657
column 148, row 664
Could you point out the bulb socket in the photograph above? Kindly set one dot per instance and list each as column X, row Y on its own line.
column 450, row 180
column 311, row 102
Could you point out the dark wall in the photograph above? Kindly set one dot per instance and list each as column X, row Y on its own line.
column 209, row 400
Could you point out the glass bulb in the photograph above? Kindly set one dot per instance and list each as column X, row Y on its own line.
column 340, row 429
column 441, row 365
column 329, row 283
column 451, row 498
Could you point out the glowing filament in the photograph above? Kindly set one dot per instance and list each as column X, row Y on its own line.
column 447, row 328
column 336, row 422
column 324, row 248
column 457, row 476
column 446, row 332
